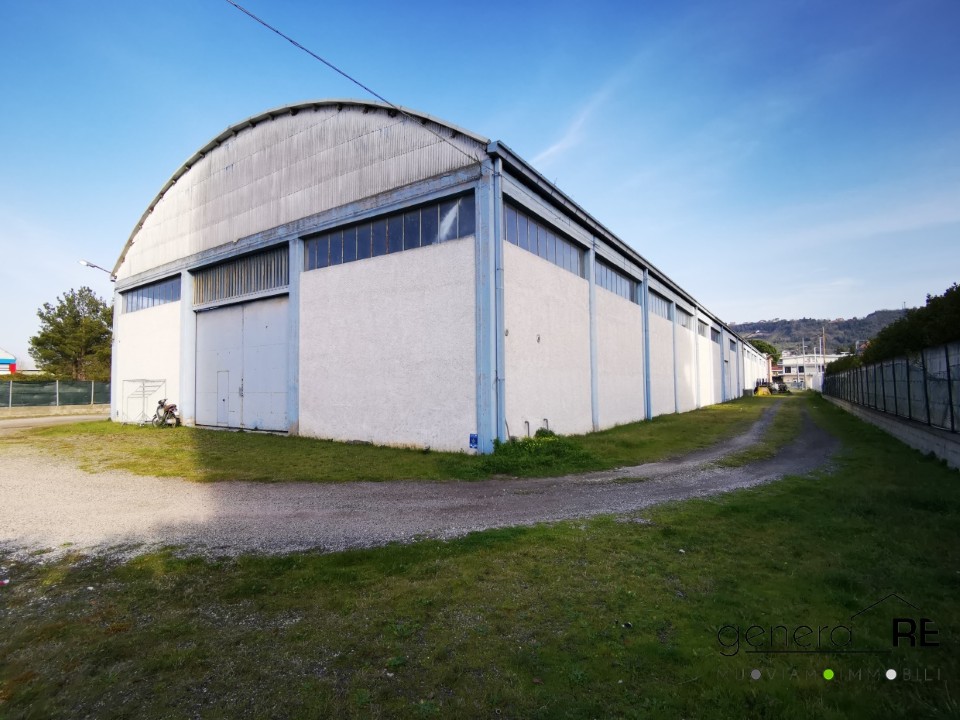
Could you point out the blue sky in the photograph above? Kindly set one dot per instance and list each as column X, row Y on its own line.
column 777, row 159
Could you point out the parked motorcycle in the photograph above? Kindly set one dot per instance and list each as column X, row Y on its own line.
column 166, row 414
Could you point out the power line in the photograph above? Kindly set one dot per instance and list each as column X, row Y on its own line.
column 356, row 82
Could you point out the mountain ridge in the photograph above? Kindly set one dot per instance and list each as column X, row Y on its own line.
column 842, row 334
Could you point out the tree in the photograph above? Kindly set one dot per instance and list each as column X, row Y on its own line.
column 765, row 347
column 937, row 323
column 75, row 337
column 843, row 364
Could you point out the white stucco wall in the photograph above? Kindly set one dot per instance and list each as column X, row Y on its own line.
column 755, row 368
column 686, row 369
column 732, row 371
column 547, row 348
column 387, row 349
column 661, row 365
column 147, row 347
column 716, row 358
column 708, row 386
column 619, row 359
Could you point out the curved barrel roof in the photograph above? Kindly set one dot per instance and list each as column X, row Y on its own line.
column 213, row 200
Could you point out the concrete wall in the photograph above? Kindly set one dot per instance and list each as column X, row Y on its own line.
column 943, row 444
column 288, row 168
column 686, row 369
column 619, row 359
column 387, row 349
column 710, row 386
column 754, row 368
column 661, row 365
column 547, row 345
column 732, row 370
column 146, row 346
column 53, row 410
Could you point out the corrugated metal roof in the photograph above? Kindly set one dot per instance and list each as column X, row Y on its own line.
column 293, row 109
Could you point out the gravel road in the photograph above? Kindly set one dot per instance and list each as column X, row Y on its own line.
column 48, row 502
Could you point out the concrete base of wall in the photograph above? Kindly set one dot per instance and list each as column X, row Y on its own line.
column 945, row 445
column 50, row 410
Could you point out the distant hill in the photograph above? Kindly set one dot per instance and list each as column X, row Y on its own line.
column 842, row 335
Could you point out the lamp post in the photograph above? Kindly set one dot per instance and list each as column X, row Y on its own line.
column 87, row 263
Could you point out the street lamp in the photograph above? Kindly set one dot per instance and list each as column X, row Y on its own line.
column 87, row 263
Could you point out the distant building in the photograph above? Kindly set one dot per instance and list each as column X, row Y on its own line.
column 8, row 363
column 805, row 370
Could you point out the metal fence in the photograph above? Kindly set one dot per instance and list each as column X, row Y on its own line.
column 923, row 386
column 54, row 393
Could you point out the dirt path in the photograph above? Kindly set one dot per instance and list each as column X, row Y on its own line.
column 48, row 503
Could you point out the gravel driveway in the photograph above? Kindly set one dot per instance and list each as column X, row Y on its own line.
column 47, row 503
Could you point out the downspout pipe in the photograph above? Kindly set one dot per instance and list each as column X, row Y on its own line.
column 647, row 400
column 500, row 335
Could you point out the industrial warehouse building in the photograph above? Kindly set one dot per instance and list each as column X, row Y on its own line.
column 345, row 270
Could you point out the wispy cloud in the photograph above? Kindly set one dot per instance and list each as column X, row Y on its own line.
column 574, row 134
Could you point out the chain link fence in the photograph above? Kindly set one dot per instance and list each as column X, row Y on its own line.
column 54, row 393
column 923, row 386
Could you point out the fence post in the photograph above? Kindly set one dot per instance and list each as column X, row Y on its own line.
column 10, row 395
column 926, row 392
column 946, row 354
column 896, row 399
column 56, row 385
column 909, row 396
column 883, row 387
column 91, row 392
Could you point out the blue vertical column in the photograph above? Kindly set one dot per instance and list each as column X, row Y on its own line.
column 740, row 369
column 116, row 384
column 696, row 352
column 293, row 336
column 594, row 370
column 647, row 399
column 676, row 360
column 723, row 365
column 188, row 352
column 489, row 312
column 500, row 330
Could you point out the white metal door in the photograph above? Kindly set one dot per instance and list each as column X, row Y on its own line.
column 219, row 350
column 242, row 365
column 265, row 364
column 223, row 397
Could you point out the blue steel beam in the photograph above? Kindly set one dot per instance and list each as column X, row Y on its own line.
column 594, row 370
column 293, row 335
column 647, row 400
column 486, row 340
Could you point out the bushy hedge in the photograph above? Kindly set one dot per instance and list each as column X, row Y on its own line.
column 849, row 362
column 937, row 323
column 29, row 377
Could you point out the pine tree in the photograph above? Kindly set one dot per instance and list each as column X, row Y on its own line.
column 75, row 337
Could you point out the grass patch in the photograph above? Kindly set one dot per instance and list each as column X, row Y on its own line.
column 571, row 620
column 210, row 455
column 786, row 426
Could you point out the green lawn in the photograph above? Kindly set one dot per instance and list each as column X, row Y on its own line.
column 209, row 455
column 571, row 620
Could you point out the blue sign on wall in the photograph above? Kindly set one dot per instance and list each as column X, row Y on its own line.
column 474, row 441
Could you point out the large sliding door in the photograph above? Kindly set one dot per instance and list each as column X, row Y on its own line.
column 242, row 365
